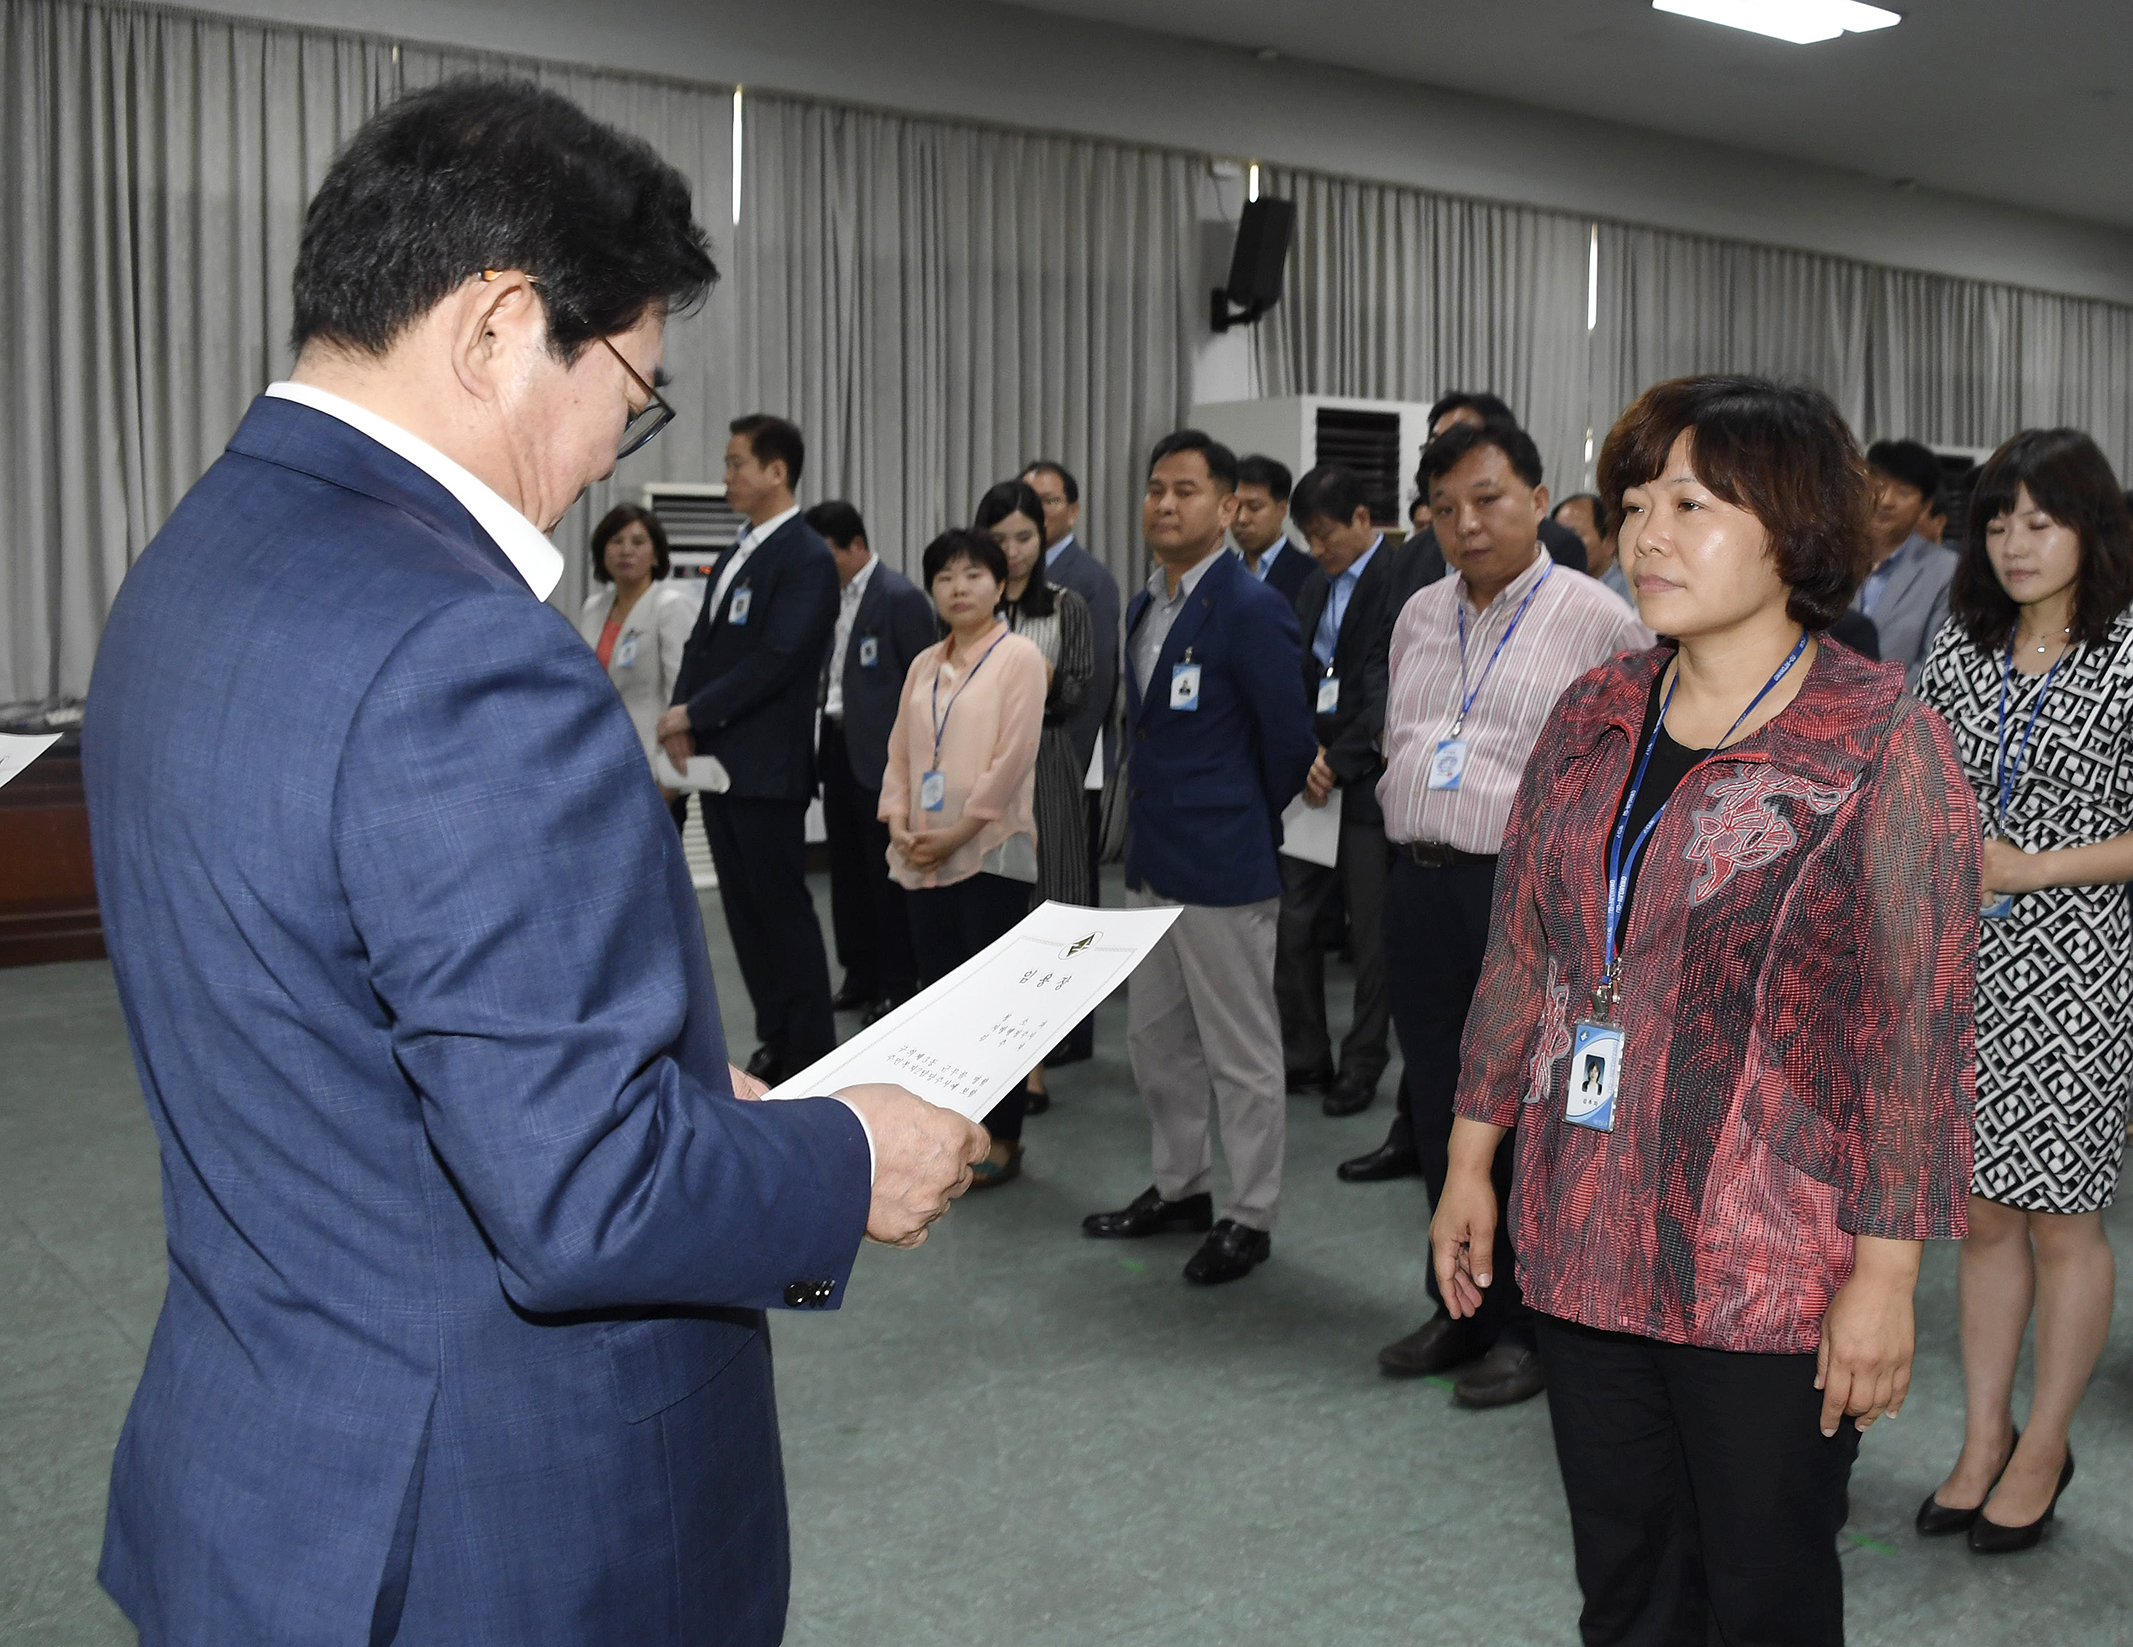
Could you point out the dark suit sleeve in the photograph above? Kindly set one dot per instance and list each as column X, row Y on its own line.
column 1353, row 750
column 1270, row 652
column 1077, row 659
column 914, row 625
column 799, row 617
column 518, row 921
column 1564, row 546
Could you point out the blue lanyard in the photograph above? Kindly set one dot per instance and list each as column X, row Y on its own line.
column 1621, row 865
column 1466, row 698
column 940, row 721
column 2007, row 772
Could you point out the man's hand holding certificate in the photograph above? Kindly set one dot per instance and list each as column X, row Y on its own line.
column 967, row 1041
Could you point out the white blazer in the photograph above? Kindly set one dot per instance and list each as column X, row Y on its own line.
column 647, row 654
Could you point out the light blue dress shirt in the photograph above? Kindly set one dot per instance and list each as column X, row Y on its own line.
column 1328, row 633
column 1051, row 555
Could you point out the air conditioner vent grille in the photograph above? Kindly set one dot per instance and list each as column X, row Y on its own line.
column 1368, row 445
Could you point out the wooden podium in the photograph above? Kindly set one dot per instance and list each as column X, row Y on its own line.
column 47, row 890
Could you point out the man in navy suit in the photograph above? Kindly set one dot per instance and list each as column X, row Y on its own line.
column 1069, row 565
column 469, row 1238
column 1220, row 742
column 1261, row 530
column 883, row 622
column 745, row 698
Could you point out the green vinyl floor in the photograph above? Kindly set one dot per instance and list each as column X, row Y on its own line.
column 1015, row 1435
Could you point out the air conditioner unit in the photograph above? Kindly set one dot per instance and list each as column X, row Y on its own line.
column 700, row 524
column 1377, row 439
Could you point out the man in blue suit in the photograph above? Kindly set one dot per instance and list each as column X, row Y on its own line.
column 469, row 1237
column 745, row 698
column 883, row 622
column 1220, row 741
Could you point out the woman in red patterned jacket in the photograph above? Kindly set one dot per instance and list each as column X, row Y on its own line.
column 1727, row 1001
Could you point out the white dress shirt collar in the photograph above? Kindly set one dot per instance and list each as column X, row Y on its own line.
column 524, row 545
column 756, row 536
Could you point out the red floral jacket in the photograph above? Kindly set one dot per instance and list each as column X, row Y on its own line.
column 1797, row 978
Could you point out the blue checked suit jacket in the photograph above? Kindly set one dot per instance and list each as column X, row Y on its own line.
column 468, row 1239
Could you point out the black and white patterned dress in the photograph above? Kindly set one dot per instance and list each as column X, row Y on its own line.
column 2054, row 985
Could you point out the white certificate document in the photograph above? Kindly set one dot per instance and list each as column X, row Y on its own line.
column 972, row 1038
column 17, row 750
column 1313, row 833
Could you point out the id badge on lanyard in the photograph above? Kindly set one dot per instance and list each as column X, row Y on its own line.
column 1595, row 1076
column 2002, row 907
column 932, row 791
column 1447, row 762
column 737, row 608
column 1185, row 684
column 1329, row 693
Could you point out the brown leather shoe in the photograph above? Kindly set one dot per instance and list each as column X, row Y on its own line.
column 1508, row 1374
column 1436, row 1346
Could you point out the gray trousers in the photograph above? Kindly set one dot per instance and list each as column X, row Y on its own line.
column 1204, row 1037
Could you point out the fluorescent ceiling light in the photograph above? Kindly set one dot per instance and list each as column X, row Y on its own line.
column 1801, row 21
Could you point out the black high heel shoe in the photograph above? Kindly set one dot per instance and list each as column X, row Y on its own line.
column 1988, row 1537
column 1936, row 1520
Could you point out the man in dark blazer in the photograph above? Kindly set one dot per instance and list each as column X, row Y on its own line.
column 1068, row 563
column 469, row 1239
column 1220, row 744
column 883, row 622
column 1261, row 530
column 1340, row 613
column 745, row 698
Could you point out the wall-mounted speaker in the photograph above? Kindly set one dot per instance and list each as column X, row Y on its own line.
column 1255, row 265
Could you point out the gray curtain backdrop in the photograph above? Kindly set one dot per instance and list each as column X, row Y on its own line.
column 933, row 303
column 1400, row 294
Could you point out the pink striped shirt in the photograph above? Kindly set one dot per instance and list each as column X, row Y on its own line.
column 1574, row 624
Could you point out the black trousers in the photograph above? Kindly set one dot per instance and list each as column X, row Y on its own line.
column 760, row 848
column 867, row 914
column 1436, row 932
column 949, row 924
column 1300, row 958
column 1705, row 1501
column 1080, row 1042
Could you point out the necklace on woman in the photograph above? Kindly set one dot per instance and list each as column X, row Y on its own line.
column 2041, row 645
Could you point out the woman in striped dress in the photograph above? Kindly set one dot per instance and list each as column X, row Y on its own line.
column 1057, row 621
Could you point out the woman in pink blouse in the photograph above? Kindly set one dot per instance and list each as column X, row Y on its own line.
column 959, row 791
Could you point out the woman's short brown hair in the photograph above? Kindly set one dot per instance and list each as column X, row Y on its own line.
column 1783, row 453
column 624, row 514
column 2070, row 479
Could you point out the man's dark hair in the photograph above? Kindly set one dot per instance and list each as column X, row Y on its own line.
column 836, row 522
column 1597, row 504
column 1907, row 461
column 2070, row 479
column 1442, row 455
column 774, row 439
column 1491, row 408
column 1420, row 506
column 963, row 543
column 623, row 514
column 1018, row 497
column 1261, row 470
column 1052, row 466
column 481, row 174
column 1220, row 460
column 1782, row 453
column 1328, row 492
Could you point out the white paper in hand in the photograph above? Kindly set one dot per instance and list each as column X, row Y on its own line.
column 1313, row 833
column 17, row 750
column 972, row 1038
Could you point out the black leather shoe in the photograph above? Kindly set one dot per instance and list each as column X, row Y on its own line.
column 1230, row 1253
column 1035, row 1103
column 851, row 998
column 1936, row 1520
column 1150, row 1214
column 1508, row 1374
column 878, row 1010
column 1436, row 1346
column 1349, row 1097
column 1388, row 1160
column 1310, row 1083
column 766, row 1066
column 1988, row 1537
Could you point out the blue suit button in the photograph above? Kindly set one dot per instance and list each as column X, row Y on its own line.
column 809, row 1295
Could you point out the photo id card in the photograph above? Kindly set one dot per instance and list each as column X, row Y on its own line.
column 626, row 653
column 1447, row 764
column 1185, row 686
column 869, row 651
column 1329, row 694
column 737, row 608
column 1999, row 909
column 1595, row 1069
column 933, row 791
